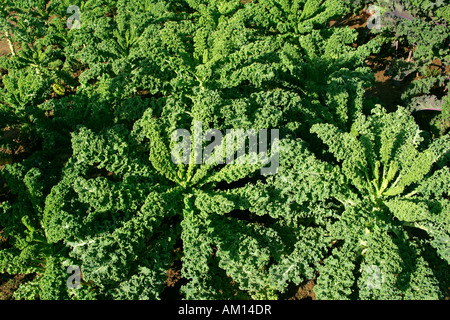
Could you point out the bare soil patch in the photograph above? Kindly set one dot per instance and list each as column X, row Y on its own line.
column 4, row 48
column 386, row 89
column 305, row 291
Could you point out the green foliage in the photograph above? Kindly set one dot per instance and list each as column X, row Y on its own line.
column 397, row 190
column 418, row 29
column 96, row 186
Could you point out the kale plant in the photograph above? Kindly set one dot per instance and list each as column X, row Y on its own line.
column 396, row 211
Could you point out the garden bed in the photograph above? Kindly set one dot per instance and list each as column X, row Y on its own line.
column 357, row 208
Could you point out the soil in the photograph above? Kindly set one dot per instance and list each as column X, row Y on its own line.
column 173, row 283
column 4, row 48
column 352, row 21
column 305, row 291
column 9, row 284
column 386, row 90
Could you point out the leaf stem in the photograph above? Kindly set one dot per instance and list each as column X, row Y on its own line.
column 8, row 39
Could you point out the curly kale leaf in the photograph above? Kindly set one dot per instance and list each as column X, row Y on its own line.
column 402, row 191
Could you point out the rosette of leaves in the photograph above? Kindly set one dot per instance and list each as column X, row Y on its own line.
column 123, row 206
column 27, row 250
column 392, row 240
